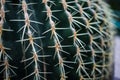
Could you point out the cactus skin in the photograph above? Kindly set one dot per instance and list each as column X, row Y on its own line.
column 54, row 40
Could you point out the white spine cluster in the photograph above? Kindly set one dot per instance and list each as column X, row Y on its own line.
column 101, row 32
column 105, row 33
column 4, row 56
column 55, row 36
column 57, row 45
column 92, row 38
column 30, row 30
column 77, row 42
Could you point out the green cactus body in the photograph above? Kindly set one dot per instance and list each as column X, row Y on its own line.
column 54, row 40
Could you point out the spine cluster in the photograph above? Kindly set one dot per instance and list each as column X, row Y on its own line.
column 6, row 67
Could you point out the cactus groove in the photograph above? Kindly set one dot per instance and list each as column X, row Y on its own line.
column 54, row 40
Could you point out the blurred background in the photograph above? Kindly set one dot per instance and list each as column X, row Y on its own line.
column 115, row 5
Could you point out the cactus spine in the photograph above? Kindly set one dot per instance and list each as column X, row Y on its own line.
column 54, row 40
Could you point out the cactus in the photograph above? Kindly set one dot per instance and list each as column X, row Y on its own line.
column 54, row 40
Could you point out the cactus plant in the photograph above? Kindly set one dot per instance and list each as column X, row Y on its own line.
column 54, row 40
